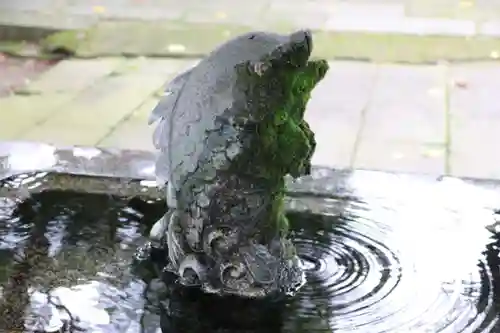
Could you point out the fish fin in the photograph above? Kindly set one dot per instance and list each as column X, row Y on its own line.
column 168, row 102
column 163, row 112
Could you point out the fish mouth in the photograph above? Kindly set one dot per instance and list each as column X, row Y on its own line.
column 303, row 40
column 299, row 48
column 294, row 52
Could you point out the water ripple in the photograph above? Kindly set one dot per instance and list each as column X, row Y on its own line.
column 386, row 266
column 400, row 254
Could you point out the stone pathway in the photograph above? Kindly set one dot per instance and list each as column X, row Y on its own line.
column 428, row 119
column 443, row 17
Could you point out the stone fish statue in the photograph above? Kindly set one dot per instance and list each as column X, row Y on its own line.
column 229, row 130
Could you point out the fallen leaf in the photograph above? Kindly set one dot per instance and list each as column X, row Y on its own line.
column 99, row 9
column 26, row 92
column 220, row 15
column 175, row 48
column 466, row 4
column 462, row 84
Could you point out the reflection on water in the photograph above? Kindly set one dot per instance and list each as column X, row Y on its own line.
column 402, row 254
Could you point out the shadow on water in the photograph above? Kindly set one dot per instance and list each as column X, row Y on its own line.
column 376, row 262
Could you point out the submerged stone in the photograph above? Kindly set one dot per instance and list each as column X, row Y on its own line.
column 229, row 130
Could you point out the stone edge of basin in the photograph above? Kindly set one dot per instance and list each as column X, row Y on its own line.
column 137, row 166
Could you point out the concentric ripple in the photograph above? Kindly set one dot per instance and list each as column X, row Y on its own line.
column 392, row 267
column 393, row 255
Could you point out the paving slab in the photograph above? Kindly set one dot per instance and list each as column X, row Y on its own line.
column 133, row 132
column 428, row 119
column 408, row 103
column 403, row 126
column 182, row 39
column 489, row 27
column 393, row 18
column 16, row 73
column 474, row 120
column 472, row 10
column 20, row 114
column 95, row 111
column 335, row 109
column 393, row 30
column 401, row 156
column 225, row 12
column 311, row 15
column 73, row 75
column 43, row 97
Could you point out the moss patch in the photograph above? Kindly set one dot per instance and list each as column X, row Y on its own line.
column 24, row 50
column 182, row 39
column 63, row 42
column 12, row 47
column 175, row 39
column 271, row 121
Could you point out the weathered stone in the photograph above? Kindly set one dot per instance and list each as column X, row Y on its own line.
column 474, row 147
column 72, row 76
column 404, row 121
column 131, row 133
column 490, row 28
column 407, row 103
column 225, row 12
column 400, row 116
column 102, row 105
column 474, row 120
column 45, row 96
column 20, row 24
column 229, row 131
column 297, row 14
column 401, row 156
column 20, row 114
column 334, row 111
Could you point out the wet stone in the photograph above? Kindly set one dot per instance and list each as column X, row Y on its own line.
column 474, row 121
column 490, row 28
column 416, row 26
column 403, row 125
column 336, row 117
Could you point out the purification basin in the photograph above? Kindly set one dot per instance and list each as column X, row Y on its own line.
column 382, row 252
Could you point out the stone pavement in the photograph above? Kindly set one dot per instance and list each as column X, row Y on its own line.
column 436, row 119
column 443, row 17
column 404, row 31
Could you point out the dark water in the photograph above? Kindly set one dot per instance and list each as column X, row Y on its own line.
column 400, row 255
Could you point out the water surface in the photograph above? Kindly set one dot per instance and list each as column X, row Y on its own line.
column 389, row 254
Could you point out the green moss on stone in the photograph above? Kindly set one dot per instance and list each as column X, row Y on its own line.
column 285, row 143
column 115, row 38
column 63, row 41
column 11, row 47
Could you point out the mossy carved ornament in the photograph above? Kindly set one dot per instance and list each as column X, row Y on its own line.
column 229, row 130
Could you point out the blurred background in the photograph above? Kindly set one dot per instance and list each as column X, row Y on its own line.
column 412, row 85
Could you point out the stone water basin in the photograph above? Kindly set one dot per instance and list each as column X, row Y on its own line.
column 383, row 252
